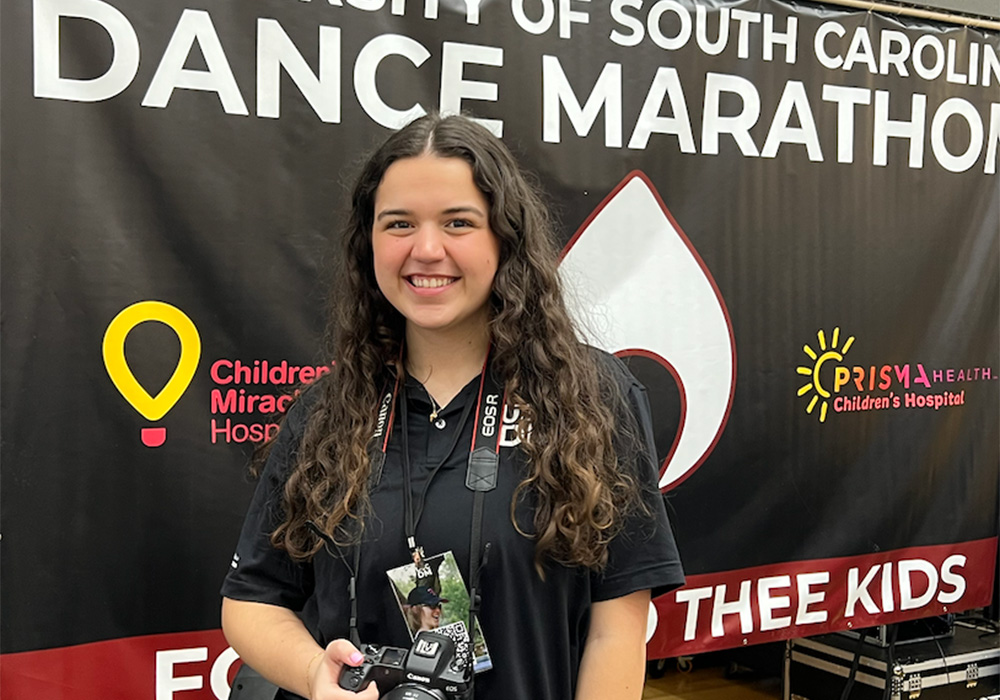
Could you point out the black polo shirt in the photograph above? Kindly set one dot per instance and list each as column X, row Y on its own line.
column 535, row 630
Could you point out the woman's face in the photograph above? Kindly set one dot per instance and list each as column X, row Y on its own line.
column 430, row 617
column 435, row 254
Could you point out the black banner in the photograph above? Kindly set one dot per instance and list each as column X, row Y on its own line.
column 785, row 216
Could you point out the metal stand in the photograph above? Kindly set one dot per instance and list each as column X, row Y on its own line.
column 786, row 672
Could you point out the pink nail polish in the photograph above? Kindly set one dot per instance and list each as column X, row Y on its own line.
column 357, row 658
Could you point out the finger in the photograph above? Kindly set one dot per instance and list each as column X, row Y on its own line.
column 343, row 652
column 369, row 693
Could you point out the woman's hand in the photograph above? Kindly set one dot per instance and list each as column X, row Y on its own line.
column 324, row 673
column 276, row 644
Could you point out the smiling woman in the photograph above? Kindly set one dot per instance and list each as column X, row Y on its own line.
column 450, row 316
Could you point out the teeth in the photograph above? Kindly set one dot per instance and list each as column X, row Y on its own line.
column 430, row 282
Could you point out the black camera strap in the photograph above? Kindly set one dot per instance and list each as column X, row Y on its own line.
column 383, row 426
column 352, row 586
column 481, row 477
column 376, row 452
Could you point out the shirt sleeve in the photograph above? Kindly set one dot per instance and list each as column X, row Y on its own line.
column 643, row 554
column 259, row 572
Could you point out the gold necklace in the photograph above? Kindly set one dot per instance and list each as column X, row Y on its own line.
column 434, row 408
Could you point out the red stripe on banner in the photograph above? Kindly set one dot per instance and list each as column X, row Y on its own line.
column 182, row 666
column 711, row 612
column 803, row 598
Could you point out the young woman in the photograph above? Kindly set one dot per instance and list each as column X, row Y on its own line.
column 449, row 287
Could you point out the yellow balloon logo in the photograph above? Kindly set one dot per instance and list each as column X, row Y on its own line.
column 151, row 407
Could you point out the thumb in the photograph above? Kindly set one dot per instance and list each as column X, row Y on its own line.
column 341, row 651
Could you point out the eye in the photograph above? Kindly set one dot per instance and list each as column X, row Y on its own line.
column 460, row 224
column 397, row 225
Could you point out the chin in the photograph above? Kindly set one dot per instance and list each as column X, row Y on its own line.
column 430, row 324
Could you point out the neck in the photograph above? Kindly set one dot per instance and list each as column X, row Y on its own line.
column 443, row 361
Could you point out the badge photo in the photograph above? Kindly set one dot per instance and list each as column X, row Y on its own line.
column 434, row 597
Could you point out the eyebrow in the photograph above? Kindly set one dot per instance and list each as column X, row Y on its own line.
column 450, row 210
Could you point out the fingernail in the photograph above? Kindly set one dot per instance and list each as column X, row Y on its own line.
column 357, row 658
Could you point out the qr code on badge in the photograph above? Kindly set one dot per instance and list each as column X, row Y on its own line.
column 458, row 633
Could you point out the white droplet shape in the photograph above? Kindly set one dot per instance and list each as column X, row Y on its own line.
column 652, row 620
column 636, row 286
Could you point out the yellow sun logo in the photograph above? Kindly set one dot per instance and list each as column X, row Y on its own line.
column 825, row 353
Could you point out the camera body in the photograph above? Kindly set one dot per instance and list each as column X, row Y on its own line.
column 430, row 669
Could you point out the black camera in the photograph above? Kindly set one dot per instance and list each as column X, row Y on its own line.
column 430, row 670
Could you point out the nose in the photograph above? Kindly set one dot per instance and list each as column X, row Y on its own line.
column 428, row 244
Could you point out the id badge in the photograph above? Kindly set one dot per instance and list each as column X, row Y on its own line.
column 433, row 597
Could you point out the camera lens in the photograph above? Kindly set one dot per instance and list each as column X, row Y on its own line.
column 412, row 691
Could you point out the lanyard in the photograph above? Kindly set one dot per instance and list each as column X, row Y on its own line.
column 411, row 519
column 483, row 452
column 480, row 477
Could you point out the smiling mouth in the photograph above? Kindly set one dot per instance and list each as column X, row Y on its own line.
column 425, row 282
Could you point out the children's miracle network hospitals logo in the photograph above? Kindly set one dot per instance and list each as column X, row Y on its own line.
column 248, row 397
column 832, row 382
column 152, row 408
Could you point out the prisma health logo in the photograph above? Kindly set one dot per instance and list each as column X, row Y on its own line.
column 152, row 408
column 825, row 353
column 880, row 386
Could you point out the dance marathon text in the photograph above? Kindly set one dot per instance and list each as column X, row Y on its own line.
column 822, row 121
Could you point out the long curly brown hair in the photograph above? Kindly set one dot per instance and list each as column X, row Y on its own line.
column 581, row 492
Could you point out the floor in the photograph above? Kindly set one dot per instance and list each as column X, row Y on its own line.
column 709, row 683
